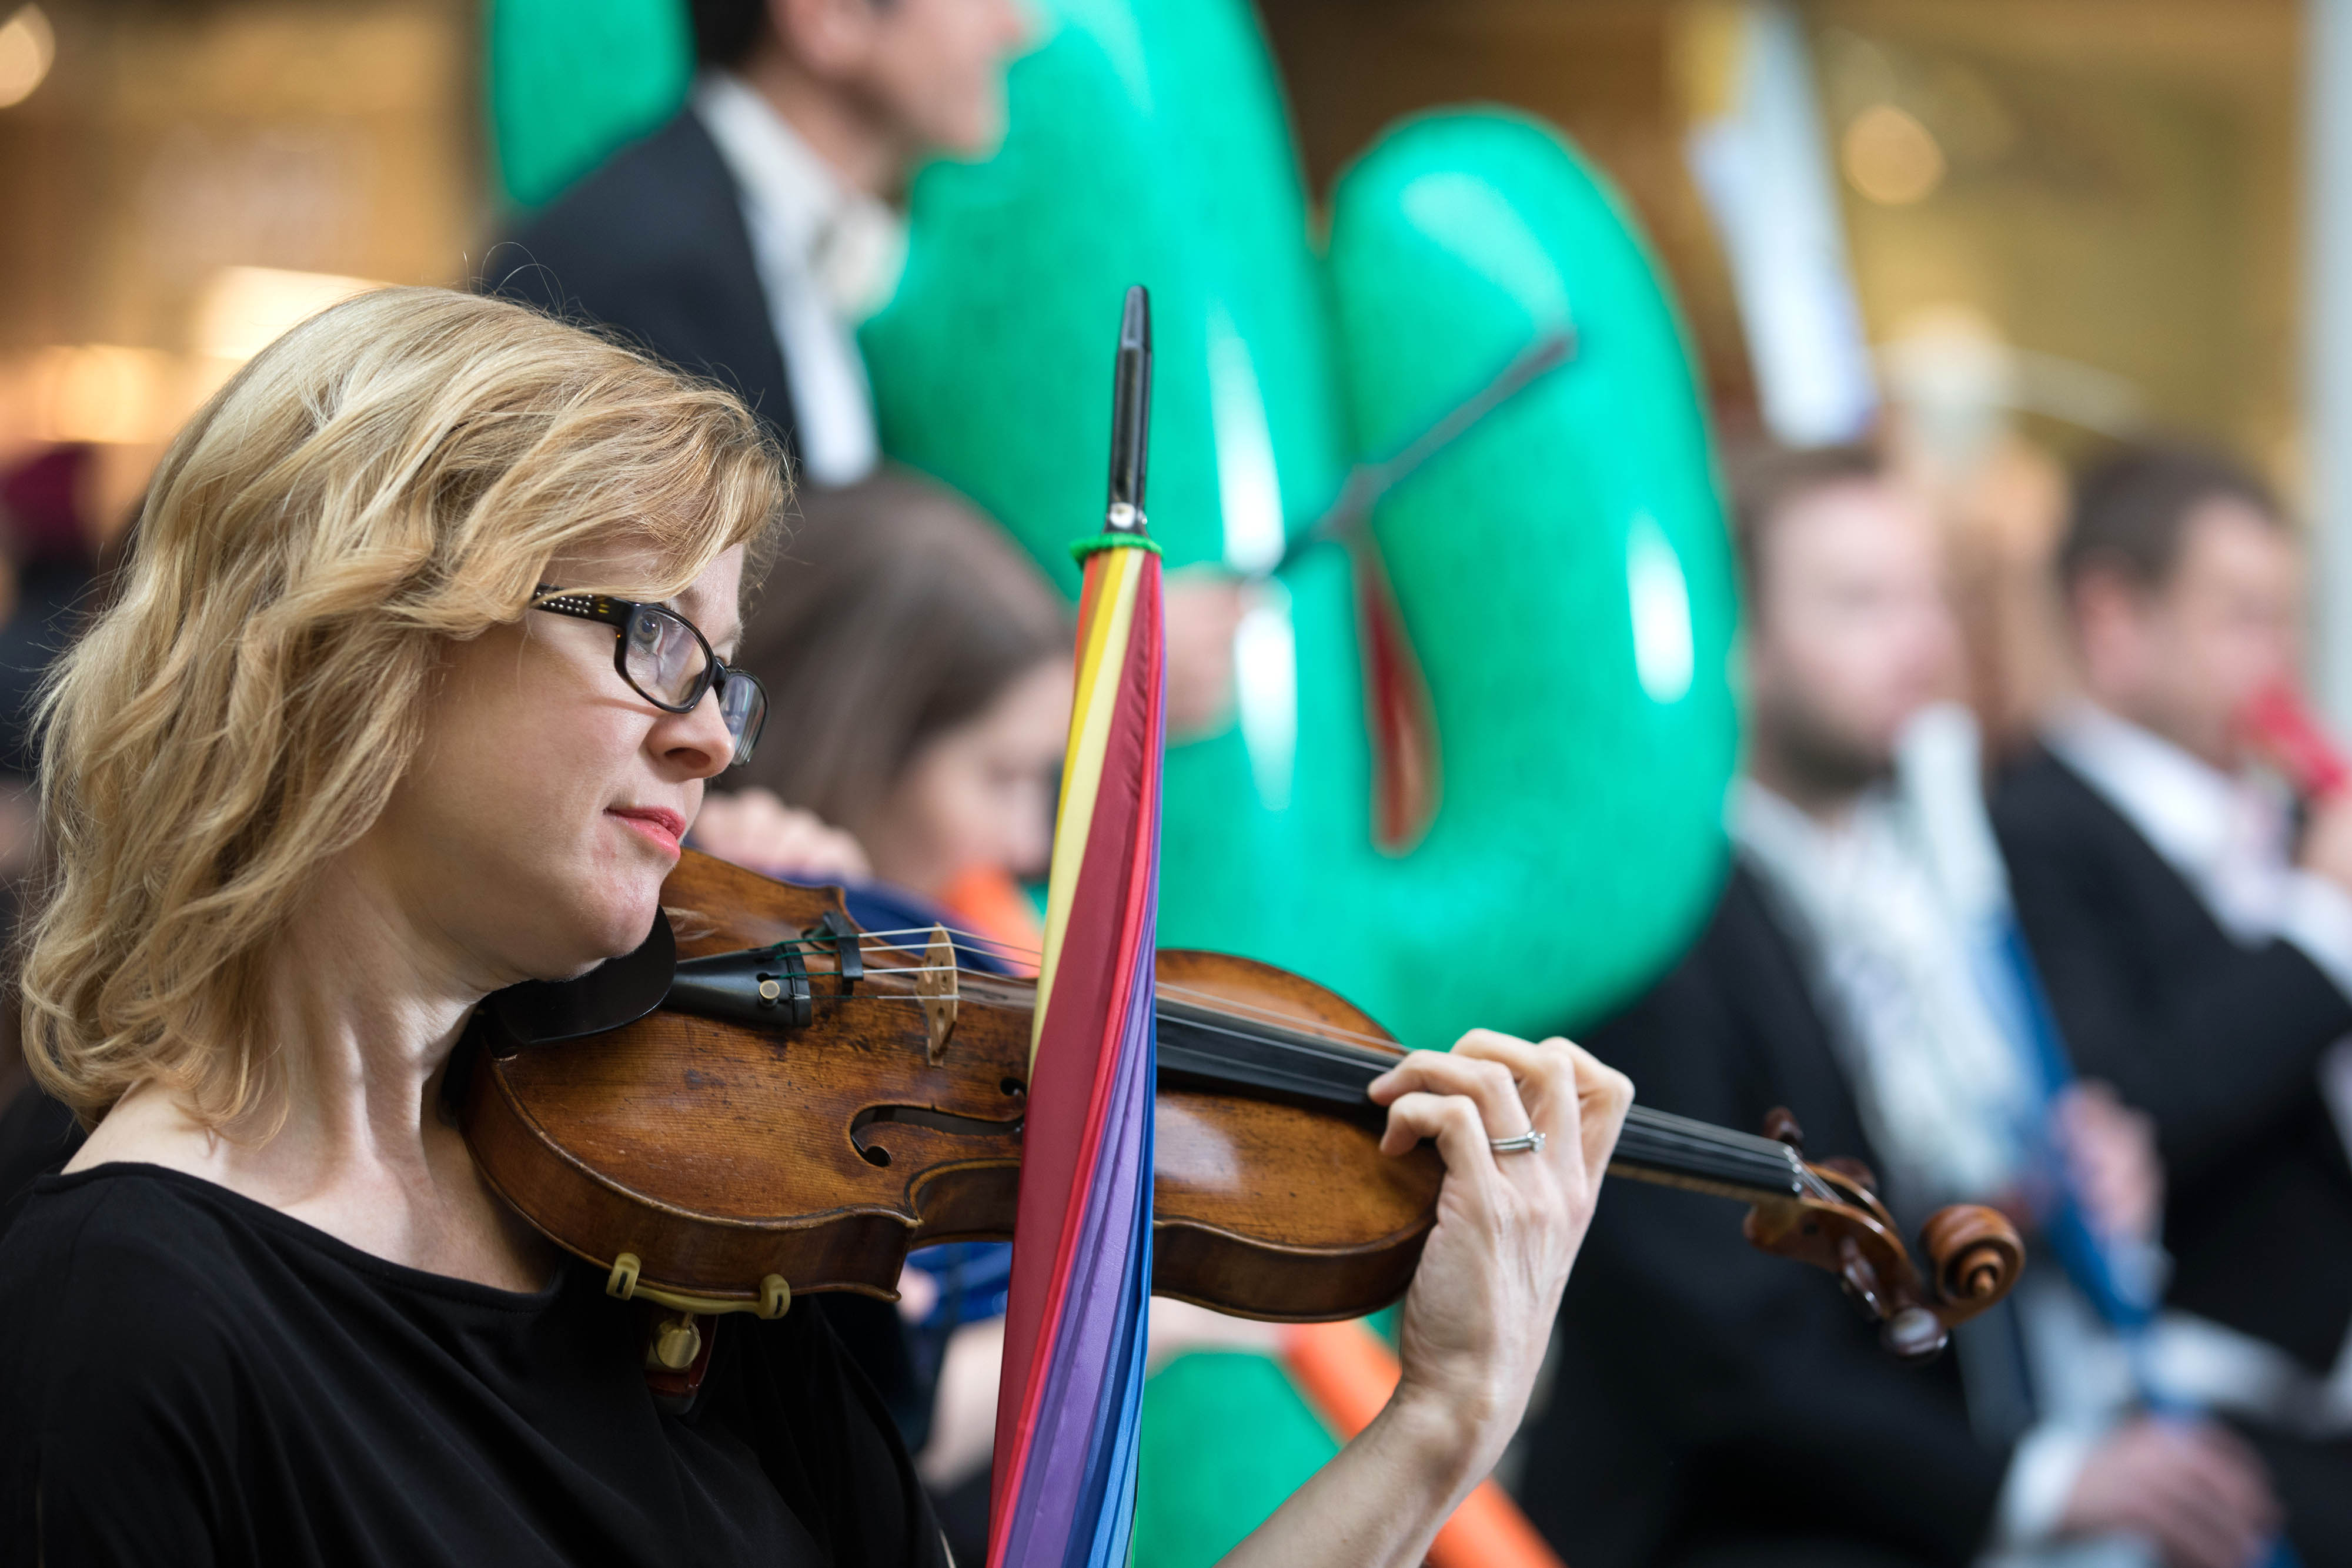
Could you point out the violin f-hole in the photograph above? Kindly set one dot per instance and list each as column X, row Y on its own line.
column 874, row 1154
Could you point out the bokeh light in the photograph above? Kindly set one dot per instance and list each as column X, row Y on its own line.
column 1891, row 157
column 28, row 46
column 243, row 308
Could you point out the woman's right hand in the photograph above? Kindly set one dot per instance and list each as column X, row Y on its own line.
column 756, row 831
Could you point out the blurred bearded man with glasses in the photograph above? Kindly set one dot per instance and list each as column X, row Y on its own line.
column 1716, row 1408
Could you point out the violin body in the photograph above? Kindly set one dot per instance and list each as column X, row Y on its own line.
column 718, row 1155
column 792, row 1105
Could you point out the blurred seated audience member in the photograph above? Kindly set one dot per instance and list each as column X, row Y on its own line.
column 2197, row 939
column 918, row 665
column 1717, row 1407
column 48, row 564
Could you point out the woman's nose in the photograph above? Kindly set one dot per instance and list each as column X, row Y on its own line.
column 697, row 741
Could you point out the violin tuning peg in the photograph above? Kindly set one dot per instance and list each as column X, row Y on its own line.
column 1780, row 1126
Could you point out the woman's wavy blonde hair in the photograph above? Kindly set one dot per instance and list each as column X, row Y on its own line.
column 391, row 476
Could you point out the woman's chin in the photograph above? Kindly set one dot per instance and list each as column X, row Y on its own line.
column 604, row 929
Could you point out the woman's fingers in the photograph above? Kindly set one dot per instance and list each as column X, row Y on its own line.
column 1603, row 1096
column 1577, row 1100
column 754, row 828
column 1489, row 1084
column 1450, row 1121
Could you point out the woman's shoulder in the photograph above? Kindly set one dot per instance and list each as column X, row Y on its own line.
column 114, row 1273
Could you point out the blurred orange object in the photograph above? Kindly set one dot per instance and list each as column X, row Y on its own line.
column 987, row 902
column 1347, row 1373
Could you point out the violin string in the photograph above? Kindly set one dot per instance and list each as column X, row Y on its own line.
column 1336, row 1035
column 1701, row 1136
column 1183, row 993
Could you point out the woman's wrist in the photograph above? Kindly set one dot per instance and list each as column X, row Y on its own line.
column 1386, row 1495
column 1440, row 1437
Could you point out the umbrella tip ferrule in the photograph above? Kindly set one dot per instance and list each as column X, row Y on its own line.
column 1130, row 419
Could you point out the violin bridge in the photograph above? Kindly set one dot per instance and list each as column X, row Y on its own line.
column 935, row 986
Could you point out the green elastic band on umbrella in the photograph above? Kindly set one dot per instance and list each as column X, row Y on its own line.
column 1111, row 540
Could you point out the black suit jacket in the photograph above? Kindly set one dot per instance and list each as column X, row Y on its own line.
column 2219, row 1042
column 1714, row 1405
column 654, row 245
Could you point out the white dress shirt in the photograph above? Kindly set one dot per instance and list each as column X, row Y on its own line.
column 828, row 254
column 2231, row 837
column 1942, row 1092
column 1884, row 901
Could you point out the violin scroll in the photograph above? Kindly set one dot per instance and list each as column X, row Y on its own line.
column 1974, row 1254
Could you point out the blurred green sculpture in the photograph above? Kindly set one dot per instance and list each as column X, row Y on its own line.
column 572, row 80
column 1562, row 571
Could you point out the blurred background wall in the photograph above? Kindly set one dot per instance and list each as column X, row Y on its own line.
column 2066, row 219
column 187, row 179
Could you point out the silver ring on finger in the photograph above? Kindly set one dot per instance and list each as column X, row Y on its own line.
column 1529, row 1141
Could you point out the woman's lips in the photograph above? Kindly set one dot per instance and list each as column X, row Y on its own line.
column 659, row 823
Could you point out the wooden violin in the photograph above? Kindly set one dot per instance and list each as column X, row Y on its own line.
column 796, row 1103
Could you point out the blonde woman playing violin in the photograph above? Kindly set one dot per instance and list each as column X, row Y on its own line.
column 363, row 737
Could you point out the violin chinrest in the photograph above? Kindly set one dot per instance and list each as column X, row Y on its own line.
column 618, row 991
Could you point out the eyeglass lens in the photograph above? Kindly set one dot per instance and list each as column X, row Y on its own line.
column 665, row 658
column 668, row 661
column 744, row 706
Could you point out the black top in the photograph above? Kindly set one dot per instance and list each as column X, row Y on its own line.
column 38, row 1136
column 189, row 1376
column 2218, row 1042
column 653, row 243
column 1714, row 1405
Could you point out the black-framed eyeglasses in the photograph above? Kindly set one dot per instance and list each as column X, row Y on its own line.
column 667, row 661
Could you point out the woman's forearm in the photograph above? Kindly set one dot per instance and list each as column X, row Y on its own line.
column 1480, row 1308
column 1379, row 1501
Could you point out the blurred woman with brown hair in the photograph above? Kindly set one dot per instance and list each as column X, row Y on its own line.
column 922, row 663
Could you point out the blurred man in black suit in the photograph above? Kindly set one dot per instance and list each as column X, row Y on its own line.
column 1717, row 1407
column 2197, row 942
column 747, row 236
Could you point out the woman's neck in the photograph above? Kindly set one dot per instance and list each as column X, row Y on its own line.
column 364, row 1010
